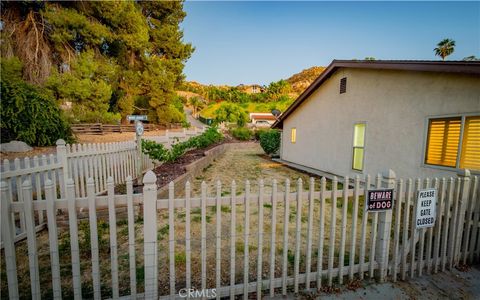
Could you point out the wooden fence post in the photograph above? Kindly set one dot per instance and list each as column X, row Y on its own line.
column 384, row 225
column 150, row 234
column 62, row 159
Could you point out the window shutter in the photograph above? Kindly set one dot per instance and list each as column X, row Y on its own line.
column 470, row 158
column 443, row 140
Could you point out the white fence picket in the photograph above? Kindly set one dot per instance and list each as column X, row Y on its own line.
column 364, row 228
column 311, row 203
column 323, row 183
column 286, row 216
column 50, row 196
column 218, row 236
column 446, row 228
column 188, row 248
column 246, row 236
column 31, row 239
column 112, row 221
column 171, row 236
column 233, row 237
column 353, row 242
column 341, row 255
column 476, row 215
column 92, row 215
column 273, row 237
column 333, row 220
column 260, row 242
column 8, row 234
column 74, row 247
column 298, row 231
column 406, row 228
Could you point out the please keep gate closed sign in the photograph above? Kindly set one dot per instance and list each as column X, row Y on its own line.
column 426, row 204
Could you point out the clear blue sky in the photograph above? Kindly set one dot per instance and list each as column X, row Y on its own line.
column 261, row 42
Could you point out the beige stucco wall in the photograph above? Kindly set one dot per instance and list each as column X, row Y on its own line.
column 395, row 106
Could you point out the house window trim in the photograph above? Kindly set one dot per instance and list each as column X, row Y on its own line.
column 292, row 139
column 457, row 168
column 364, row 147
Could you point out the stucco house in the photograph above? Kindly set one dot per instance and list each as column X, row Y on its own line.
column 418, row 118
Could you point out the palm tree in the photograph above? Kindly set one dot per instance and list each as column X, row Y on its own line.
column 444, row 48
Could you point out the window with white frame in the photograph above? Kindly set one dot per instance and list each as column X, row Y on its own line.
column 454, row 142
column 358, row 146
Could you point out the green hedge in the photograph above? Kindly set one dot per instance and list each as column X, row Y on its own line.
column 241, row 133
column 270, row 141
column 26, row 114
column 158, row 152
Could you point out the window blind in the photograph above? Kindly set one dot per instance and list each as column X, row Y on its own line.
column 443, row 141
column 470, row 158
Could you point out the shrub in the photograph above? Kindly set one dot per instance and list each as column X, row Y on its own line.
column 270, row 141
column 259, row 132
column 154, row 150
column 230, row 112
column 26, row 114
column 160, row 153
column 241, row 133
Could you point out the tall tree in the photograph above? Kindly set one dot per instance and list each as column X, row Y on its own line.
column 135, row 50
column 444, row 48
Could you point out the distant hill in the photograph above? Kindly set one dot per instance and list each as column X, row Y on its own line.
column 300, row 81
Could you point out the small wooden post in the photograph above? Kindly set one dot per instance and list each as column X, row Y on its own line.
column 150, row 235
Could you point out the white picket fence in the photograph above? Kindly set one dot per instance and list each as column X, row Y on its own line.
column 79, row 162
column 254, row 242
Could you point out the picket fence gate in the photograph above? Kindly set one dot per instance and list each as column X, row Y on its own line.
column 387, row 243
column 79, row 162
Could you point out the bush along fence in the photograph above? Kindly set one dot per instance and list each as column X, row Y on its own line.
column 79, row 162
column 269, row 239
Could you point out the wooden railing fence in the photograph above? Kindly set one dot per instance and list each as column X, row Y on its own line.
column 100, row 129
column 268, row 238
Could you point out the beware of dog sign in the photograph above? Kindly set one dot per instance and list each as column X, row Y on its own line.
column 426, row 203
column 378, row 200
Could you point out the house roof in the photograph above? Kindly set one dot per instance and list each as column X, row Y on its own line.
column 463, row 67
column 263, row 116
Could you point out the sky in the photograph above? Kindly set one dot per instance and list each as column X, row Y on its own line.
column 260, row 42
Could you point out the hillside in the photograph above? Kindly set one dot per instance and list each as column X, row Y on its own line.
column 300, row 81
column 252, row 98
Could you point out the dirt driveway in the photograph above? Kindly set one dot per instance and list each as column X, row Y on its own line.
column 248, row 162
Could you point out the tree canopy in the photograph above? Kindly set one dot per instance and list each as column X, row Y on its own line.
column 105, row 59
column 444, row 48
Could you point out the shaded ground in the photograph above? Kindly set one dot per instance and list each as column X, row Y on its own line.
column 452, row 284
